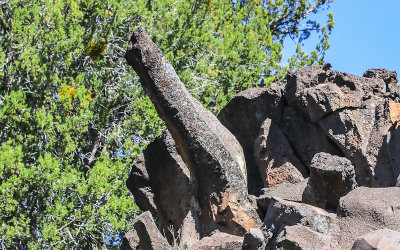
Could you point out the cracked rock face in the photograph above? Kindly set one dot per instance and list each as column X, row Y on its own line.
column 356, row 113
column 340, row 130
column 214, row 156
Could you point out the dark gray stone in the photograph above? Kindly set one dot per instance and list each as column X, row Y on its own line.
column 353, row 112
column 282, row 213
column 298, row 237
column 364, row 210
column 254, row 240
column 275, row 158
column 162, row 184
column 286, row 191
column 219, row 241
column 243, row 116
column 212, row 153
column 331, row 177
column 144, row 235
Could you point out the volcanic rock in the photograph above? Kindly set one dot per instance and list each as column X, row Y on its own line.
column 364, row 210
column 162, row 184
column 144, row 235
column 286, row 191
column 298, row 237
column 379, row 239
column 212, row 153
column 254, row 240
column 274, row 155
column 287, row 213
column 243, row 116
column 219, row 241
column 331, row 177
column 353, row 112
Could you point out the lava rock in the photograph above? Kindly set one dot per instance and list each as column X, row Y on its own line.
column 219, row 241
column 331, row 177
column 275, row 158
column 254, row 240
column 379, row 239
column 299, row 237
column 212, row 153
column 144, row 235
column 243, row 116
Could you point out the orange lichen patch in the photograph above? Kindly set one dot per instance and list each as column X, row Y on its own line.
column 394, row 110
column 67, row 90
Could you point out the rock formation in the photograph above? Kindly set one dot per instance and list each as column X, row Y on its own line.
column 212, row 153
column 319, row 157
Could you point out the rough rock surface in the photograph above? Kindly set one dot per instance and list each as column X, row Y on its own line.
column 162, row 184
column 144, row 235
column 367, row 209
column 379, row 239
column 305, row 137
column 243, row 116
column 219, row 241
column 254, row 240
column 340, row 129
column 298, row 237
column 212, row 153
column 276, row 160
column 353, row 112
column 286, row 191
column 282, row 213
column 331, row 177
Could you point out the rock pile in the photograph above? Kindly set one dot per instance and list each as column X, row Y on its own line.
column 310, row 164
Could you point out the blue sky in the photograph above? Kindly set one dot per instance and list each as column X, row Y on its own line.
column 366, row 35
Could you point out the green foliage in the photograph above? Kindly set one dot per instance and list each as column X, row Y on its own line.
column 74, row 117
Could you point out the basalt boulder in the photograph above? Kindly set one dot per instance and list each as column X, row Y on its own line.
column 275, row 158
column 212, row 153
column 331, row 177
column 355, row 112
column 243, row 116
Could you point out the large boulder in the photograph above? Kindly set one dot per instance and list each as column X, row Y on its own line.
column 275, row 158
column 364, row 210
column 331, row 177
column 162, row 184
column 211, row 152
column 144, row 235
column 243, row 116
column 353, row 112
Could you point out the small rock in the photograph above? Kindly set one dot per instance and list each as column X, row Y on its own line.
column 379, row 239
column 286, row 191
column 281, row 213
column 144, row 235
column 299, row 237
column 331, row 177
column 219, row 241
column 254, row 240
